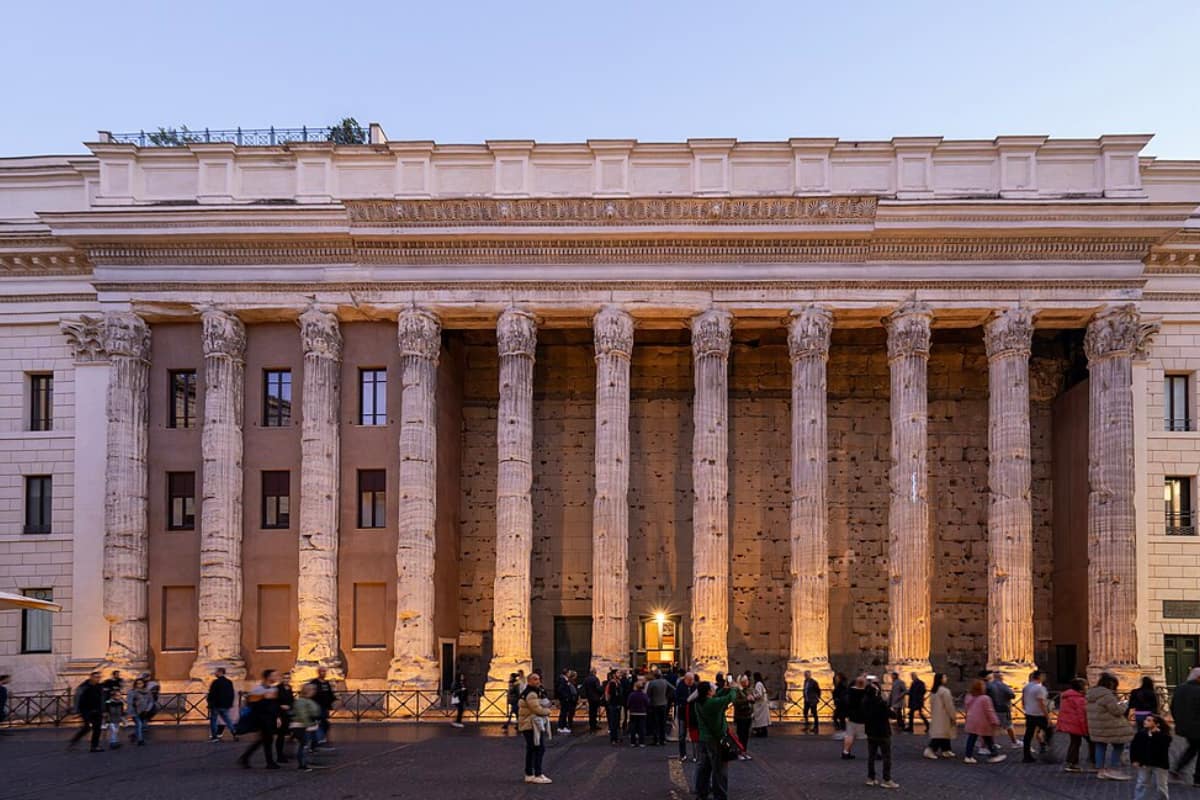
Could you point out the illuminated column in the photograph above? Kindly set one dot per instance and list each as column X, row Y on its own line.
column 1114, row 336
column 711, row 339
column 320, row 467
column 808, row 346
column 1008, row 337
column 126, row 338
column 909, row 547
column 219, row 594
column 415, row 660
column 516, row 337
column 613, row 334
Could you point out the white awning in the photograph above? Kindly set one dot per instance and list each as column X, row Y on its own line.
column 8, row 600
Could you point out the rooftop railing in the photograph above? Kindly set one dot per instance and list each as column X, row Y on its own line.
column 179, row 137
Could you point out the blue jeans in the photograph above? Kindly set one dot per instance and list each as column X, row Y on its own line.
column 303, row 745
column 1151, row 784
column 1102, row 747
column 139, row 728
column 215, row 717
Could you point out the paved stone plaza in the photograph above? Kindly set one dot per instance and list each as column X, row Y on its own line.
column 435, row 761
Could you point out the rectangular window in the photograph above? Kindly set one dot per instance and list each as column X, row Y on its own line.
column 277, row 398
column 37, row 627
column 372, row 498
column 274, row 617
column 179, row 618
column 1177, row 409
column 276, row 500
column 372, row 394
column 41, row 402
column 38, row 495
column 1177, row 494
column 181, row 501
column 182, row 391
column 370, row 626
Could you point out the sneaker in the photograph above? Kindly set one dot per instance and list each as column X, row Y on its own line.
column 889, row 785
column 1072, row 768
column 305, row 769
column 932, row 756
column 742, row 757
column 212, row 739
column 948, row 754
column 541, row 779
column 839, row 735
column 970, row 760
column 872, row 782
column 530, row 779
column 749, row 757
column 1119, row 776
column 996, row 759
column 847, row 756
column 456, row 724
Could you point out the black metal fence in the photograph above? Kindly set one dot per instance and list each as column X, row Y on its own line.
column 177, row 137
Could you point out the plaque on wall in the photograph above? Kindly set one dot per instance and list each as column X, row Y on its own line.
column 1181, row 609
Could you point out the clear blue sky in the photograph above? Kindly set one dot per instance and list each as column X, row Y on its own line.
column 569, row 71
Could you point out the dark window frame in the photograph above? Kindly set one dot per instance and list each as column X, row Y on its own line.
column 176, row 492
column 1179, row 511
column 370, row 385
column 1173, row 420
column 47, row 617
column 277, row 386
column 191, row 403
column 274, row 503
column 41, row 401
column 39, row 511
column 377, row 492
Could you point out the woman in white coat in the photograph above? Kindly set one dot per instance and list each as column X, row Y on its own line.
column 762, row 707
column 943, row 720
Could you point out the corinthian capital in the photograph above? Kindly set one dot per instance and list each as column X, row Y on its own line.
column 612, row 329
column 222, row 333
column 1009, row 333
column 908, row 330
column 516, row 333
column 419, row 333
column 809, row 332
column 712, row 332
column 126, row 334
column 1118, row 331
column 86, row 337
column 320, row 334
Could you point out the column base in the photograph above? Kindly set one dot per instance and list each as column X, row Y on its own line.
column 493, row 701
column 1014, row 673
column 1128, row 675
column 412, row 698
column 304, row 671
column 235, row 669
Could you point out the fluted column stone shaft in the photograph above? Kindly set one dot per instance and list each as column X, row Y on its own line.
column 711, row 339
column 1114, row 338
column 320, row 469
column 613, row 334
column 909, row 546
column 1008, row 338
column 808, row 346
column 516, row 336
column 219, row 593
column 415, row 660
column 126, row 338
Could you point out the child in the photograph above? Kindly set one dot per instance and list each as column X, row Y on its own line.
column 1149, row 754
column 303, row 724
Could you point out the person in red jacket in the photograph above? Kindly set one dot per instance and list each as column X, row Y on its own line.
column 1072, row 720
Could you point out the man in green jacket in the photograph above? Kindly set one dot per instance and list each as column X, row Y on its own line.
column 710, row 717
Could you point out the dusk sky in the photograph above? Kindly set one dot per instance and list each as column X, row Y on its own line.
column 555, row 71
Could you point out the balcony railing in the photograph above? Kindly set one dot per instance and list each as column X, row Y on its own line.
column 1178, row 423
column 178, row 137
column 1181, row 523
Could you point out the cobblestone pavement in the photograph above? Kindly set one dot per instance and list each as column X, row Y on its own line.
column 437, row 761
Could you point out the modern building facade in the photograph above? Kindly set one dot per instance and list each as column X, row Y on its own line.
column 403, row 408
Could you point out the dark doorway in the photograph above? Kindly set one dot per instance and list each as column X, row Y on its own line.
column 1180, row 654
column 1065, row 656
column 572, row 646
column 448, row 665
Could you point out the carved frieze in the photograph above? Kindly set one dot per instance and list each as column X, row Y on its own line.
column 516, row 333
column 320, row 335
column 86, row 337
column 809, row 332
column 1118, row 331
column 1009, row 333
column 419, row 333
column 712, row 333
column 908, row 330
column 222, row 334
column 126, row 334
column 612, row 329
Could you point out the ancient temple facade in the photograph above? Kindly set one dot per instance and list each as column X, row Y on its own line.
column 403, row 409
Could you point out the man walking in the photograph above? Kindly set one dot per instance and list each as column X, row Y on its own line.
column 659, row 692
column 324, row 697
column 593, row 691
column 221, row 698
column 1185, row 708
column 562, row 693
column 264, row 711
column 812, row 698
column 896, row 699
column 916, row 702
column 1035, row 701
column 1002, row 697
column 89, row 703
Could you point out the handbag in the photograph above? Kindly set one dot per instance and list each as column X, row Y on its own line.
column 728, row 746
column 454, row 700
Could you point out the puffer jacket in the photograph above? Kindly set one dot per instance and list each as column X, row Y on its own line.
column 529, row 706
column 1072, row 713
column 981, row 715
column 1106, row 717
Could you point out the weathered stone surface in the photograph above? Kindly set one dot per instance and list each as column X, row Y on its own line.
column 320, row 448
column 808, row 345
column 711, row 338
column 126, row 338
column 1009, row 338
column 1115, row 336
column 415, row 663
column 516, row 337
column 219, row 594
column 909, row 562
column 613, row 343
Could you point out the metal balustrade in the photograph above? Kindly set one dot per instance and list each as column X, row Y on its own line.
column 1181, row 523
column 179, row 137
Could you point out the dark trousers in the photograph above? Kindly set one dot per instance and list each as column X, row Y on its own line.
column 593, row 715
column 533, row 754
column 281, row 737
column 1032, row 723
column 917, row 712
column 972, row 738
column 658, row 724
column 743, row 731
column 810, row 707
column 562, row 713
column 940, row 745
column 572, row 706
column 93, row 723
column 458, row 714
column 614, row 723
column 1073, row 749
column 323, row 727
column 637, row 729
column 839, row 718
column 681, row 730
column 881, row 748
column 265, row 740
column 1193, row 751
column 713, row 775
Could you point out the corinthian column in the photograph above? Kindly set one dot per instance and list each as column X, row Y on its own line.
column 516, row 336
column 613, row 334
column 415, row 659
column 1115, row 336
column 808, row 345
column 320, row 465
column 219, row 632
column 126, row 338
column 1008, row 337
column 711, row 335
column 909, row 552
